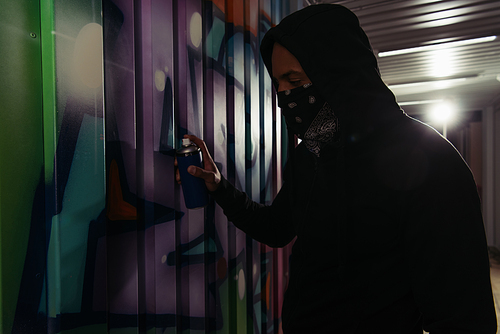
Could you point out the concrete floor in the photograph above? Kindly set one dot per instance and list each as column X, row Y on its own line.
column 495, row 280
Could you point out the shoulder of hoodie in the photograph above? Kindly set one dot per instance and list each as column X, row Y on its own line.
column 438, row 153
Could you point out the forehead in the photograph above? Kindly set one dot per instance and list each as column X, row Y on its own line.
column 282, row 61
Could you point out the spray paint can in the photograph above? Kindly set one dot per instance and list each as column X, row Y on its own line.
column 194, row 188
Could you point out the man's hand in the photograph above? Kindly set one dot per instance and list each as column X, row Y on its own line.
column 210, row 173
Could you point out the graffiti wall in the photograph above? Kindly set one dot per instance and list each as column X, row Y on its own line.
column 95, row 234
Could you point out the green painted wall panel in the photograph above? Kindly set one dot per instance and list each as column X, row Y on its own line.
column 21, row 141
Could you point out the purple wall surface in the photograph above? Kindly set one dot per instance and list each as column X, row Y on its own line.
column 110, row 246
column 193, row 67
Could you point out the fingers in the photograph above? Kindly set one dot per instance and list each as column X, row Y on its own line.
column 210, row 174
column 201, row 173
column 212, row 179
column 201, row 144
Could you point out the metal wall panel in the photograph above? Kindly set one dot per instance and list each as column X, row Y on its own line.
column 109, row 246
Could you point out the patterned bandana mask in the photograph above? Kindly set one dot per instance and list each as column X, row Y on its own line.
column 309, row 116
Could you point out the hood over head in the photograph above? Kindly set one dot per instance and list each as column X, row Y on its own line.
column 336, row 55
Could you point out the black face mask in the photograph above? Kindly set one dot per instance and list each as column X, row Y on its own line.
column 300, row 107
column 309, row 116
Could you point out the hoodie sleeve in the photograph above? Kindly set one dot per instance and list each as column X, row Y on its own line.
column 446, row 251
column 269, row 224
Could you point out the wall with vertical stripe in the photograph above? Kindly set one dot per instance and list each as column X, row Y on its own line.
column 95, row 236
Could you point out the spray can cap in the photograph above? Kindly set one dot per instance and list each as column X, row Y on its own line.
column 186, row 142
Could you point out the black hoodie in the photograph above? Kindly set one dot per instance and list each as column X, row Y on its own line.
column 390, row 237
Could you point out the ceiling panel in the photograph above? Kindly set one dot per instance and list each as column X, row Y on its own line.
column 466, row 75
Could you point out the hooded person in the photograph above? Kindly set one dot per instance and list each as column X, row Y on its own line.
column 385, row 213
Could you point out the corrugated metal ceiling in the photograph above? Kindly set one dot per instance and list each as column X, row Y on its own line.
column 466, row 75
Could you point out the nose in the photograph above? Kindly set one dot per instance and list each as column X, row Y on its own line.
column 282, row 86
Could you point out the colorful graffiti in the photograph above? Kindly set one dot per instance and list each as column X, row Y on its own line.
column 110, row 246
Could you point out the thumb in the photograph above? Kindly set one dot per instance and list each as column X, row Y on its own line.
column 199, row 172
column 212, row 179
column 192, row 170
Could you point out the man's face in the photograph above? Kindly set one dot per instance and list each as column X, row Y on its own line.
column 287, row 72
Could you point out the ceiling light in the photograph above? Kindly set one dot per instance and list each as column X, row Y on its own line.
column 442, row 112
column 412, row 103
column 437, row 46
